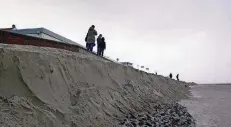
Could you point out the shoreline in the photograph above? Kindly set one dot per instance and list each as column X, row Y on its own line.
column 163, row 115
column 209, row 105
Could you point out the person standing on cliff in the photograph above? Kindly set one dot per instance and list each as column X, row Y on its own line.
column 14, row 27
column 90, row 38
column 177, row 77
column 102, row 46
column 99, row 39
column 170, row 75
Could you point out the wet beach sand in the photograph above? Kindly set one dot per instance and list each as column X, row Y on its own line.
column 210, row 105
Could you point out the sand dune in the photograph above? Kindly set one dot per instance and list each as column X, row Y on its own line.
column 56, row 88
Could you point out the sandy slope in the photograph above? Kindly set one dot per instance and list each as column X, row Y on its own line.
column 50, row 87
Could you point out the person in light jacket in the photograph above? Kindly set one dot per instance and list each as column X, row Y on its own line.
column 90, row 38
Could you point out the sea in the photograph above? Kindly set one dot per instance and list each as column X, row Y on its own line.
column 210, row 105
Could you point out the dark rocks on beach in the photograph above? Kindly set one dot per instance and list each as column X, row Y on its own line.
column 164, row 115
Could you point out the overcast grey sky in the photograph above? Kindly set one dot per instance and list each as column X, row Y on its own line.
column 190, row 37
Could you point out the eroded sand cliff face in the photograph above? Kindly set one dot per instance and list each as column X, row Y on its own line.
column 56, row 88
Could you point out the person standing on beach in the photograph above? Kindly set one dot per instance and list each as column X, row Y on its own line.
column 90, row 38
column 102, row 46
column 177, row 77
column 99, row 39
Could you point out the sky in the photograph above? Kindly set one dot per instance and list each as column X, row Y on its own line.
column 189, row 37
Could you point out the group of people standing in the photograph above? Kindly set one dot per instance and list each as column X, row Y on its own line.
column 90, row 41
column 101, row 44
column 177, row 76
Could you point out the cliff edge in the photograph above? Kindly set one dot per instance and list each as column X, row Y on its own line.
column 57, row 88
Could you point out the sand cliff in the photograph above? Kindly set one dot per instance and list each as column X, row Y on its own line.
column 56, row 88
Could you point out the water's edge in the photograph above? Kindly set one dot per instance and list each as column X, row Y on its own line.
column 210, row 105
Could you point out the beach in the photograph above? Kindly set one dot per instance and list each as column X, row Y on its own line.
column 210, row 105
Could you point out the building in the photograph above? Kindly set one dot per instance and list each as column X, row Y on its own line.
column 45, row 34
column 49, row 35
column 41, row 33
column 127, row 64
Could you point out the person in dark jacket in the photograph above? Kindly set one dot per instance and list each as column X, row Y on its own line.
column 86, row 42
column 170, row 75
column 102, row 46
column 14, row 27
column 177, row 77
column 99, row 39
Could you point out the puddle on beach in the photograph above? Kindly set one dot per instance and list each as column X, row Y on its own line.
column 210, row 105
